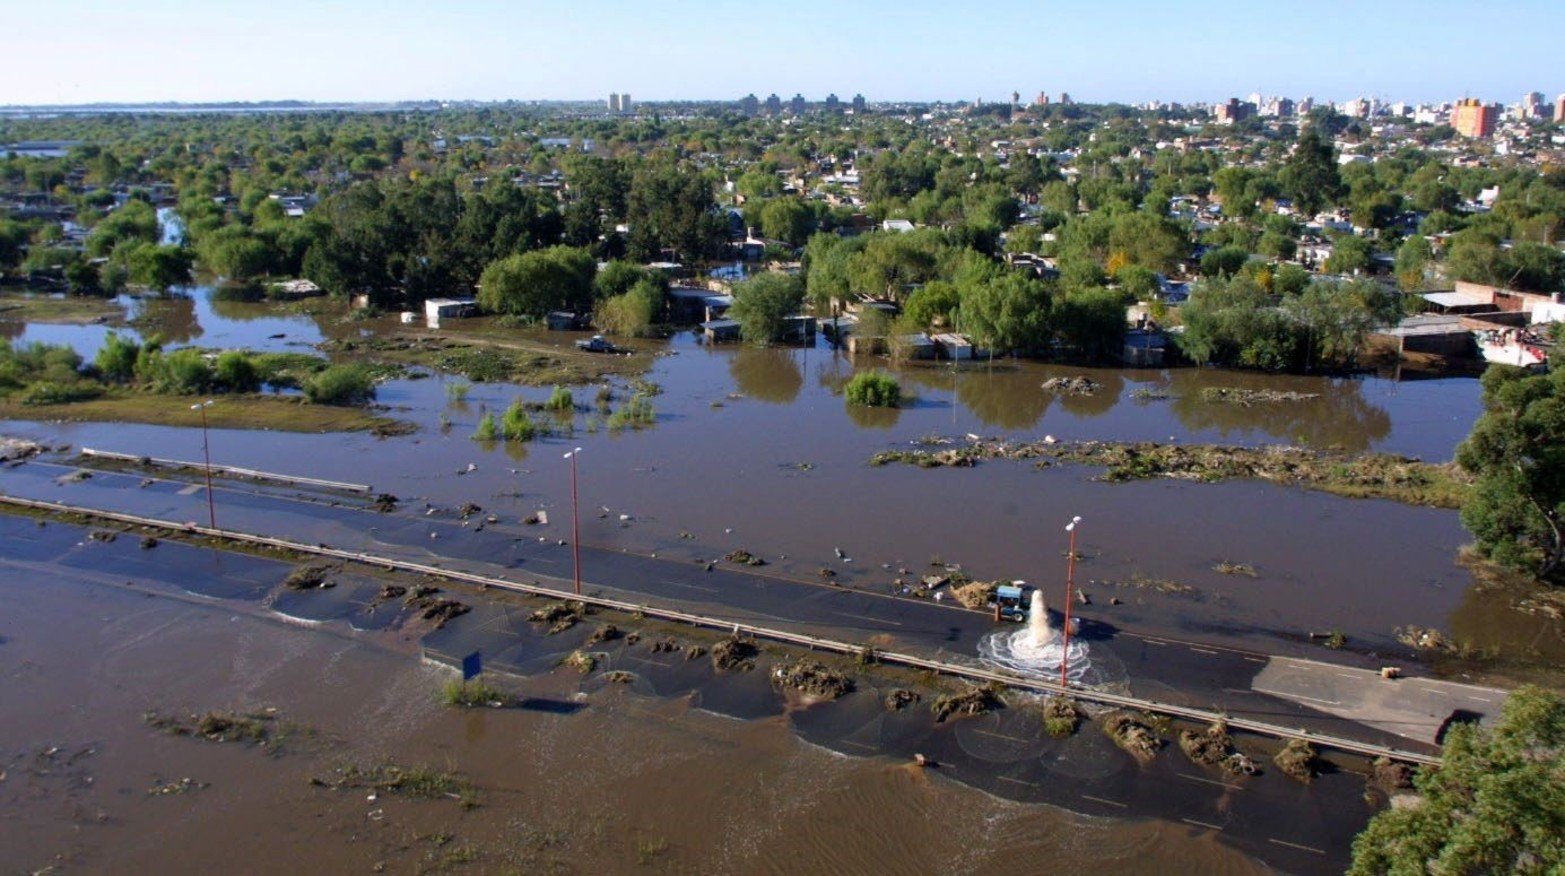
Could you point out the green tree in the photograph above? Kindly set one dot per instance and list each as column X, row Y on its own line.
column 763, row 303
column 1310, row 176
column 534, row 283
column 1496, row 803
column 1349, row 254
column 873, row 389
column 1516, row 451
column 1091, row 322
column 1224, row 261
column 786, row 219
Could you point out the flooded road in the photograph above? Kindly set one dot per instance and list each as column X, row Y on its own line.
column 617, row 783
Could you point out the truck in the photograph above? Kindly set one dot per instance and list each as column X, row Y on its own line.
column 1012, row 601
column 596, row 344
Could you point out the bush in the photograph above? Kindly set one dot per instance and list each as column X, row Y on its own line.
column 52, row 393
column 116, row 359
column 874, row 389
column 560, row 400
column 340, row 385
column 486, row 430
column 286, row 369
column 182, row 372
column 516, row 425
column 236, row 372
column 635, row 414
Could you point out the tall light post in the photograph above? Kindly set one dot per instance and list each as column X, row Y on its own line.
column 1070, row 585
column 575, row 519
column 206, row 452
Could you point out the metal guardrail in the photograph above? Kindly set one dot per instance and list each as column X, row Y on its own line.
column 970, row 673
column 230, row 470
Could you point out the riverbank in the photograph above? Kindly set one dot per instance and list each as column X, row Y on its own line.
column 483, row 351
column 1369, row 475
column 60, row 310
column 232, row 411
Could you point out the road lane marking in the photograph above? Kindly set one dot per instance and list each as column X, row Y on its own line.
column 1104, row 802
column 1210, row 782
column 1154, row 642
column 1296, row 846
column 857, row 744
column 1017, row 781
column 876, row 620
column 1002, row 736
column 1202, row 824
column 1203, row 650
column 691, row 586
column 1256, row 660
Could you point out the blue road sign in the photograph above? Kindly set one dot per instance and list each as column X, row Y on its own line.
column 472, row 664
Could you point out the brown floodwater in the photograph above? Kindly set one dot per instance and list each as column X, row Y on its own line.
column 756, row 449
column 623, row 783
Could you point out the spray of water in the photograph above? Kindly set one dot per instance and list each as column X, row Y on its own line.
column 1038, row 649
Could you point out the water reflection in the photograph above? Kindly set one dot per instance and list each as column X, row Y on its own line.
column 872, row 418
column 1339, row 417
column 171, row 318
column 11, row 330
column 769, row 374
column 1110, row 385
column 1006, row 399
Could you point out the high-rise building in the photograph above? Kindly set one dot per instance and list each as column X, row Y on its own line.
column 1471, row 117
column 1065, row 97
column 1016, row 101
column 1233, row 111
column 1306, row 106
column 1042, row 99
column 832, row 103
column 1533, row 106
column 797, row 104
column 749, row 105
column 1559, row 109
column 613, row 102
column 859, row 104
column 624, row 103
column 773, row 104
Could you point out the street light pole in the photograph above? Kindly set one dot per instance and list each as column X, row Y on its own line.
column 575, row 519
column 206, row 452
column 1070, row 585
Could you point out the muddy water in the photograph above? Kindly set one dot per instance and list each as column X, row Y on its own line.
column 755, row 449
column 626, row 782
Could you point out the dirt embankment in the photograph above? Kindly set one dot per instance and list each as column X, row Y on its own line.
column 1372, row 475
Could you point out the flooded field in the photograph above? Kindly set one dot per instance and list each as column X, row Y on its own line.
column 755, row 449
column 609, row 781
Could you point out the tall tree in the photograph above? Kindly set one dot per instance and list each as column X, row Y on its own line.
column 1310, row 175
column 1517, row 453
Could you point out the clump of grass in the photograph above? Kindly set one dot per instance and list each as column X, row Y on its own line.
column 1335, row 640
column 487, row 430
column 251, row 728
column 975, row 700
column 560, row 400
column 581, row 661
column 1297, row 760
column 458, row 390
column 648, row 850
column 1130, row 733
column 1061, row 716
column 476, row 692
column 517, row 424
column 310, row 577
column 416, row 782
column 1227, row 568
column 637, row 413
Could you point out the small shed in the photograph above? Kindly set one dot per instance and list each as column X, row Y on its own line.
column 917, row 346
column 954, row 346
column 1143, row 348
column 436, row 309
column 718, row 331
column 564, row 321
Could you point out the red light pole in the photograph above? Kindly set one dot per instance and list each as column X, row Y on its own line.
column 206, row 452
column 1070, row 585
column 575, row 519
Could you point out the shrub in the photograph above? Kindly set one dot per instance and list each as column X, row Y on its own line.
column 116, row 359
column 516, row 425
column 560, row 400
column 874, row 389
column 340, row 385
column 486, row 430
column 183, row 372
column 635, row 414
column 236, row 372
column 49, row 392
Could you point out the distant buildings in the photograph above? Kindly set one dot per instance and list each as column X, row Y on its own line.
column 1471, row 117
column 1233, row 111
column 797, row 104
column 858, row 104
column 1559, row 109
column 774, row 105
column 619, row 103
column 749, row 105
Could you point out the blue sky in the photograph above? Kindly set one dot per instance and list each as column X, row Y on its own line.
column 78, row 51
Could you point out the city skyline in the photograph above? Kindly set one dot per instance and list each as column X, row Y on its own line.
column 176, row 50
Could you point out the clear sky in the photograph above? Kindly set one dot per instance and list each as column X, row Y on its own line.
column 81, row 51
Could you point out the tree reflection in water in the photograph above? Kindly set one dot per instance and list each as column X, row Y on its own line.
column 1339, row 417
column 170, row 318
column 769, row 374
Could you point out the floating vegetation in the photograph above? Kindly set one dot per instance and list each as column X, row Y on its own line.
column 418, row 782
column 560, row 616
column 475, row 692
column 743, row 558
column 1061, row 716
column 975, row 700
column 1244, row 569
column 901, row 698
column 1072, row 385
column 1133, row 735
column 1235, row 396
column 734, row 654
column 812, row 678
column 1298, row 759
column 581, row 661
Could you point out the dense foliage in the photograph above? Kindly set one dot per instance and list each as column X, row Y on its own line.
column 1517, row 453
column 874, row 389
column 1495, row 805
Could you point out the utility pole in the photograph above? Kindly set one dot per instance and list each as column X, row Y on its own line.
column 1070, row 585
column 575, row 519
column 206, row 452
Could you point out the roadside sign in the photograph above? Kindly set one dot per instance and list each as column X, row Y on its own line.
column 472, row 664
